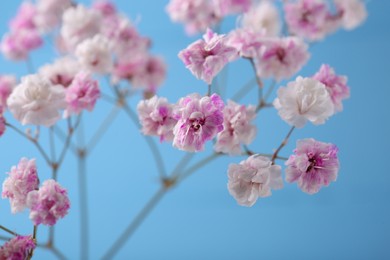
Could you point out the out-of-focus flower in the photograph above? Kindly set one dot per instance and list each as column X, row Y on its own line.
column 18, row 248
column 7, row 84
column 2, row 122
column 24, row 19
column 227, row 7
column 314, row 164
column 253, row 178
column 353, row 13
column 49, row 13
column 304, row 99
column 61, row 71
column 245, row 42
column 17, row 45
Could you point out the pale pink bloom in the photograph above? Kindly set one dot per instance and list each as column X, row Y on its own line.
column 17, row 45
column 281, row 58
column 48, row 204
column 106, row 8
column 156, row 117
column 237, row 128
column 196, row 15
column 253, row 178
column 81, row 94
column 227, row 7
column 36, row 101
column 94, row 55
column 245, row 42
column 314, row 164
column 21, row 180
column 18, row 248
column 353, row 12
column 200, row 119
column 308, row 18
column 7, row 84
column 78, row 24
column 304, row 99
column 61, row 71
column 49, row 13
column 262, row 17
column 24, row 19
column 335, row 84
column 206, row 58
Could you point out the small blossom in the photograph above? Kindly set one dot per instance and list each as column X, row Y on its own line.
column 314, row 164
column 7, row 84
column 200, row 119
column 336, row 85
column 48, row 204
column 61, row 72
column 245, row 42
column 106, row 8
column 304, row 99
column 252, row 179
column 24, row 19
column 237, row 128
column 227, row 7
column 81, row 94
column 21, row 180
column 17, row 45
column 206, row 58
column 49, row 13
column 18, row 248
column 94, row 55
column 281, row 58
column 36, row 101
column 156, row 117
column 353, row 12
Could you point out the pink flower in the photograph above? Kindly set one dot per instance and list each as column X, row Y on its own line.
column 48, row 204
column 227, row 7
column 21, row 180
column 245, row 42
column 237, row 128
column 156, row 117
column 336, row 85
column 314, row 164
column 24, row 19
column 81, row 94
column 16, row 45
column 7, row 84
column 252, row 179
column 200, row 119
column 106, row 8
column 353, row 12
column 206, row 58
column 281, row 58
column 18, row 248
column 196, row 15
column 304, row 99
column 61, row 72
column 49, row 13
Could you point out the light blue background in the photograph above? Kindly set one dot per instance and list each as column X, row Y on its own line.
column 199, row 219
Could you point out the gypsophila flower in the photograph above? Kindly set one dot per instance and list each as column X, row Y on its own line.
column 237, row 128
column 353, row 12
column 156, row 118
column 61, row 72
column 7, row 84
column 227, row 7
column 200, row 119
column 81, row 94
column 304, row 99
column 206, row 58
column 36, row 101
column 49, row 13
column 17, row 44
column 245, row 42
column 21, row 180
column 313, row 164
column 24, row 19
column 335, row 84
column 253, row 178
column 48, row 204
column 18, row 248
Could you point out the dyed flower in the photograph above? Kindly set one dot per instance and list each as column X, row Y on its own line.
column 200, row 119
column 196, row 15
column 252, row 179
column 24, row 19
column 94, row 55
column 281, row 58
column 61, row 72
column 48, row 204
column 7, row 84
column 304, row 99
column 18, row 248
column 156, row 118
column 81, row 94
column 17, row 45
column 49, row 13
column 262, row 18
column 313, row 164
column 36, row 101
column 206, row 58
column 336, row 85
column 237, row 128
column 21, row 180
column 79, row 24
column 227, row 7
column 353, row 12
column 246, row 43
column 106, row 8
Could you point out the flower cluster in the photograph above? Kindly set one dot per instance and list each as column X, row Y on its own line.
column 18, row 248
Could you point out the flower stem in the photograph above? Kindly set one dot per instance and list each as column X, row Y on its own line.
column 284, row 142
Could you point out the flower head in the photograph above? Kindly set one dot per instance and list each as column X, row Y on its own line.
column 61, row 72
column 49, row 13
column 353, row 12
column 18, row 248
column 7, row 84
column 314, row 164
column 227, row 7
column 252, row 179
column 17, row 44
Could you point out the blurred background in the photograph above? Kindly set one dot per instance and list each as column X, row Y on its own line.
column 198, row 219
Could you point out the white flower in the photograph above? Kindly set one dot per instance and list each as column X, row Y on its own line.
column 61, row 71
column 354, row 12
column 94, row 54
column 49, row 12
column 304, row 99
column 36, row 101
